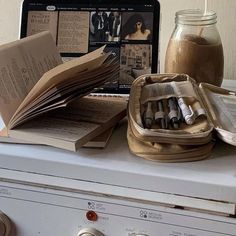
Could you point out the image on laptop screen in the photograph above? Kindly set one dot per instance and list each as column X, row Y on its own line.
column 129, row 29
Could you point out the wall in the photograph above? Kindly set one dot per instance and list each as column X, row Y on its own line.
column 226, row 11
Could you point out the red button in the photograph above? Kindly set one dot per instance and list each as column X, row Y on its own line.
column 92, row 216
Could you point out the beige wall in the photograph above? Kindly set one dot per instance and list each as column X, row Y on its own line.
column 226, row 11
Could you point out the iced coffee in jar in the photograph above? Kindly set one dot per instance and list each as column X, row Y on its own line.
column 195, row 47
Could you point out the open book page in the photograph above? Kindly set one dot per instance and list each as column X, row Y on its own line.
column 73, row 126
column 85, row 78
column 63, row 72
column 22, row 63
column 91, row 109
column 4, row 138
column 66, row 91
column 99, row 141
column 61, row 133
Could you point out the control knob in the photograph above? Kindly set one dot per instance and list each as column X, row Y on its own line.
column 89, row 232
column 134, row 234
column 5, row 225
column 141, row 235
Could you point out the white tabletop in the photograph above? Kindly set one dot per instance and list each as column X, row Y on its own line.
column 213, row 178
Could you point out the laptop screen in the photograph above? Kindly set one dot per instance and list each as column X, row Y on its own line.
column 128, row 28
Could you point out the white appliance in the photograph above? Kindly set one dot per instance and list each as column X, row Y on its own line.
column 46, row 191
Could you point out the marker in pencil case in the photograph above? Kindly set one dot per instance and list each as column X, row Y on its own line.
column 148, row 116
column 160, row 115
column 187, row 111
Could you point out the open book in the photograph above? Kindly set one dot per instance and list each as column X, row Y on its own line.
column 39, row 94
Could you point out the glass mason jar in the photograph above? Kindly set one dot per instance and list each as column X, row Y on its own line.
column 195, row 47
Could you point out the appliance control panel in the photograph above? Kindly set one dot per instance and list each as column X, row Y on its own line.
column 43, row 211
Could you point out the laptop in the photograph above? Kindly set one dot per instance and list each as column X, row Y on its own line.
column 129, row 28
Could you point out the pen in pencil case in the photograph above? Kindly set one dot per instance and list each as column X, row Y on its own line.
column 173, row 109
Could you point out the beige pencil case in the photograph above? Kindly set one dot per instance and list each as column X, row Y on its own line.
column 211, row 109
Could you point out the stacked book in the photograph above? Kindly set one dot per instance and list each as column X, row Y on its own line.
column 44, row 101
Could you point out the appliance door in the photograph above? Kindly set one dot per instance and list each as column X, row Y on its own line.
column 45, row 210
